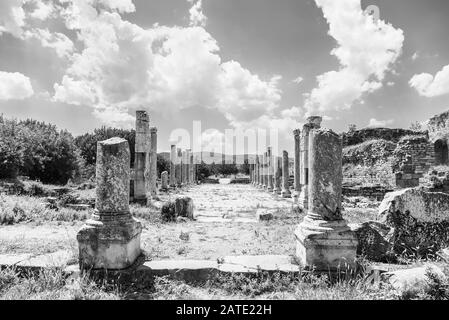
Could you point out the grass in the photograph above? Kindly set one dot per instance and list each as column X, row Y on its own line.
column 18, row 209
column 53, row 284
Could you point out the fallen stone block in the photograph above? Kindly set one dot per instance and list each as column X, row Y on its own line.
column 410, row 282
column 264, row 215
column 374, row 241
column 180, row 207
column 185, row 235
column 188, row 270
column 420, row 220
column 79, row 207
column 252, row 264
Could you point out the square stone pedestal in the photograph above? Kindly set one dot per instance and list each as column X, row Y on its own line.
column 109, row 242
column 325, row 245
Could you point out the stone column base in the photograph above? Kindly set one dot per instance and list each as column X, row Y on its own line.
column 141, row 201
column 303, row 199
column 325, row 245
column 295, row 196
column 109, row 242
column 286, row 194
column 277, row 191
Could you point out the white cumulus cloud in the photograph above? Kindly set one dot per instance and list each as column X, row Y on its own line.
column 428, row 85
column 366, row 50
column 374, row 123
column 123, row 67
column 14, row 85
column 197, row 17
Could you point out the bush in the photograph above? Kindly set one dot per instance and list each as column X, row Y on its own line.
column 87, row 143
column 37, row 150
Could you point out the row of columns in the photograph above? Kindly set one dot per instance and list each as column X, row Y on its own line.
column 183, row 167
column 324, row 241
column 145, row 160
column 272, row 173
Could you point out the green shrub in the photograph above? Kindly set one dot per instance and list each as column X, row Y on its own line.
column 37, row 150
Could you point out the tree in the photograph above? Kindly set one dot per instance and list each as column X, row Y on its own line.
column 162, row 165
column 203, row 171
column 352, row 128
column 416, row 126
column 11, row 149
column 87, row 143
column 38, row 150
column 245, row 167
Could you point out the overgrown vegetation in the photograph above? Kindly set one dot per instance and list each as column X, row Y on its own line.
column 37, row 150
column 53, row 284
column 17, row 209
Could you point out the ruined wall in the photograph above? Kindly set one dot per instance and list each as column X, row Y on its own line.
column 360, row 136
column 438, row 127
column 414, row 156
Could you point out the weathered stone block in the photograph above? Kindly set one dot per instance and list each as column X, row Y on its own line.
column 109, row 244
column 326, row 245
column 373, row 241
column 180, row 207
column 264, row 215
column 420, row 219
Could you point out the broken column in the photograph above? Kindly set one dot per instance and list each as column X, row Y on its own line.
column 270, row 170
column 183, row 168
column 256, row 172
column 142, row 148
column 297, row 168
column 111, row 238
column 265, row 171
column 278, row 176
column 285, row 176
column 312, row 123
column 152, row 187
column 178, row 168
column 164, row 181
column 173, row 166
column 324, row 240
column 191, row 166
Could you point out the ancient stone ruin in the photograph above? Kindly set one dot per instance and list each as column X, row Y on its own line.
column 324, row 240
column 111, row 238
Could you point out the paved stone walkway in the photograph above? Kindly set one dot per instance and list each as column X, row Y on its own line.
column 233, row 202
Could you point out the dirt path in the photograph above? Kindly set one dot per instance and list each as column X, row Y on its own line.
column 233, row 202
column 226, row 225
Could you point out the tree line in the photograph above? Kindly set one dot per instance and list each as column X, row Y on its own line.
column 40, row 151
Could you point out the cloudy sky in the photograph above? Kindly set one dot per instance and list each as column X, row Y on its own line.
column 228, row 63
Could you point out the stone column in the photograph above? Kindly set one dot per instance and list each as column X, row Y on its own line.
column 178, row 168
column 264, row 171
column 297, row 166
column 195, row 168
column 312, row 123
column 188, row 167
column 324, row 240
column 251, row 178
column 164, row 181
column 256, row 172
column 152, row 187
column 183, row 168
column 142, row 149
column 173, row 166
column 260, row 185
column 111, row 238
column 191, row 167
column 285, row 175
column 277, row 175
column 270, row 185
